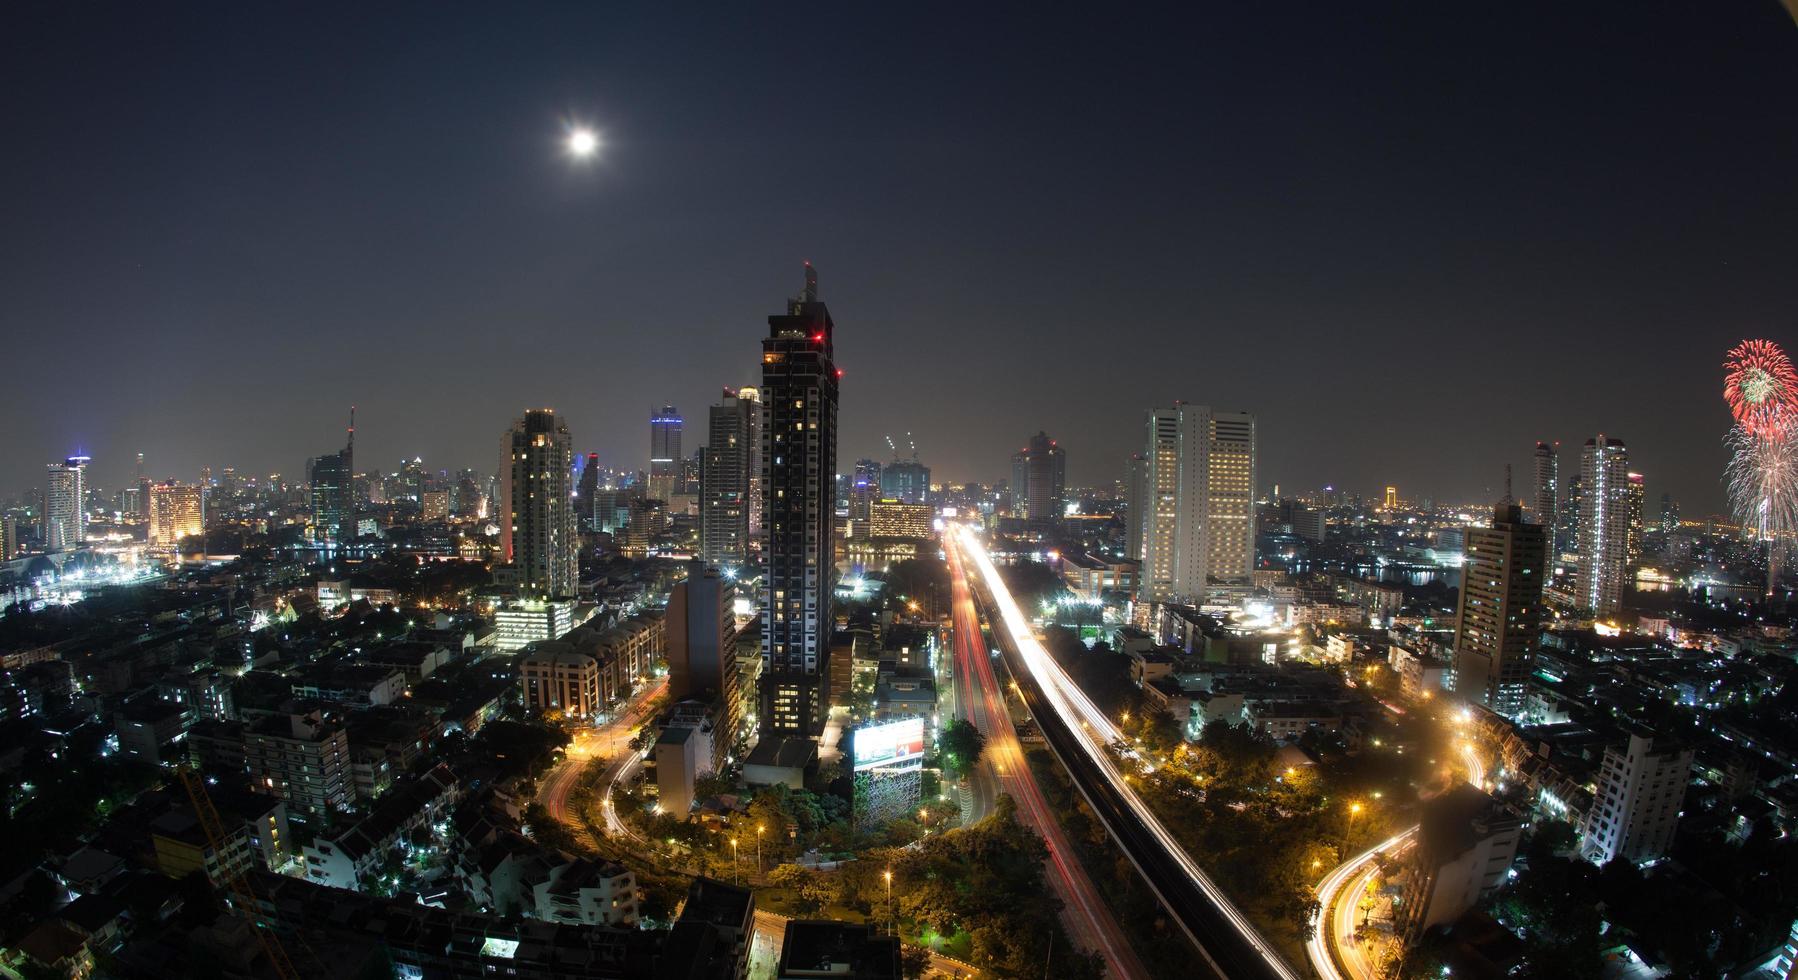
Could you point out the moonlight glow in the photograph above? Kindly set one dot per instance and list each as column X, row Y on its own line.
column 583, row 143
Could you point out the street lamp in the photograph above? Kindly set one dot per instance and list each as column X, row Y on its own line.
column 758, row 847
column 736, row 865
column 888, row 875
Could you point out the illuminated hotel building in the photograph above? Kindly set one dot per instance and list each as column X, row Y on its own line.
column 799, row 455
column 1500, row 620
column 1198, row 518
column 1603, row 525
column 537, row 527
column 63, row 522
column 664, row 453
column 176, row 511
column 895, row 519
column 1638, row 494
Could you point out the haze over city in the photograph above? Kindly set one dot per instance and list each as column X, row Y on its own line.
column 1272, row 210
column 923, row 492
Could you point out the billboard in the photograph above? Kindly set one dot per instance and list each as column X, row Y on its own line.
column 893, row 744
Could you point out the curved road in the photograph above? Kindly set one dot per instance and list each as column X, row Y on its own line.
column 611, row 739
column 980, row 700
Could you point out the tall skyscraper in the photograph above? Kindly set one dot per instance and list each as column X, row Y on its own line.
column 1669, row 514
column 799, row 456
column 1637, row 493
column 1136, row 500
column 537, row 525
column 589, row 493
column 664, row 453
column 1603, row 525
column 1543, row 509
column 725, row 481
column 176, row 511
column 62, row 524
column 1500, row 622
column 1199, row 482
column 332, row 482
column 1038, row 479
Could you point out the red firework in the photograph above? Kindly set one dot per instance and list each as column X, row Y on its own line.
column 1761, row 388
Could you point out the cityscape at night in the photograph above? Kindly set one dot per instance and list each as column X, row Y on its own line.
column 994, row 491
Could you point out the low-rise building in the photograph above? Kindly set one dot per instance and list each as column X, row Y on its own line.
column 301, row 758
column 1466, row 842
column 1635, row 809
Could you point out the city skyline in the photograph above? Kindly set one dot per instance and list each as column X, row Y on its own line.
column 1247, row 245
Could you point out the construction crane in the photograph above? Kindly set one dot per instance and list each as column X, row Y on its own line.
column 243, row 895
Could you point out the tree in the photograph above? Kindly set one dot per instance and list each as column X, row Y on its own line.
column 960, row 746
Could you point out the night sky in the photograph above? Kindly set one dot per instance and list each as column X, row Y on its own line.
column 1413, row 240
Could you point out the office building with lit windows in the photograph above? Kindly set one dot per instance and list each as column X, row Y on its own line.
column 1198, row 490
column 799, row 449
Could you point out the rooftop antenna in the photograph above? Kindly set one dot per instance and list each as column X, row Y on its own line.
column 352, row 426
column 914, row 445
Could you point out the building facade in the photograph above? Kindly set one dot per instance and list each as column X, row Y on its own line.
column 1038, row 479
column 176, row 512
column 1199, row 489
column 1500, row 618
column 1636, row 808
column 538, row 536
column 728, row 479
column 1603, row 525
column 62, row 524
column 664, row 453
column 799, row 447
column 1544, row 507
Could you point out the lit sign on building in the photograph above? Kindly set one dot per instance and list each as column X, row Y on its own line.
column 896, row 744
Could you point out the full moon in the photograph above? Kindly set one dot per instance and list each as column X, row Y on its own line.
column 583, row 142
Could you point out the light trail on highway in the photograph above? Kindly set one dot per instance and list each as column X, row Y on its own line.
column 1077, row 713
column 981, row 701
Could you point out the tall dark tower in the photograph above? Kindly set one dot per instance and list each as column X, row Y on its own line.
column 799, row 464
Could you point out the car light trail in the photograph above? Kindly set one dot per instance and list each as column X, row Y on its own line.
column 1329, row 892
column 1078, row 712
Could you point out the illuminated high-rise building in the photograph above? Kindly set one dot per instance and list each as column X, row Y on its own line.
column 1543, row 509
column 799, row 454
column 664, row 453
column 332, row 482
column 1390, row 503
column 1500, row 621
column 176, row 511
column 1638, row 493
column 1603, row 525
column 1199, row 486
column 725, row 482
column 538, row 537
column 1039, row 479
column 62, row 524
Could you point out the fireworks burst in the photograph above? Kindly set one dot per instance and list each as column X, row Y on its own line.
column 1762, row 391
column 1761, row 387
